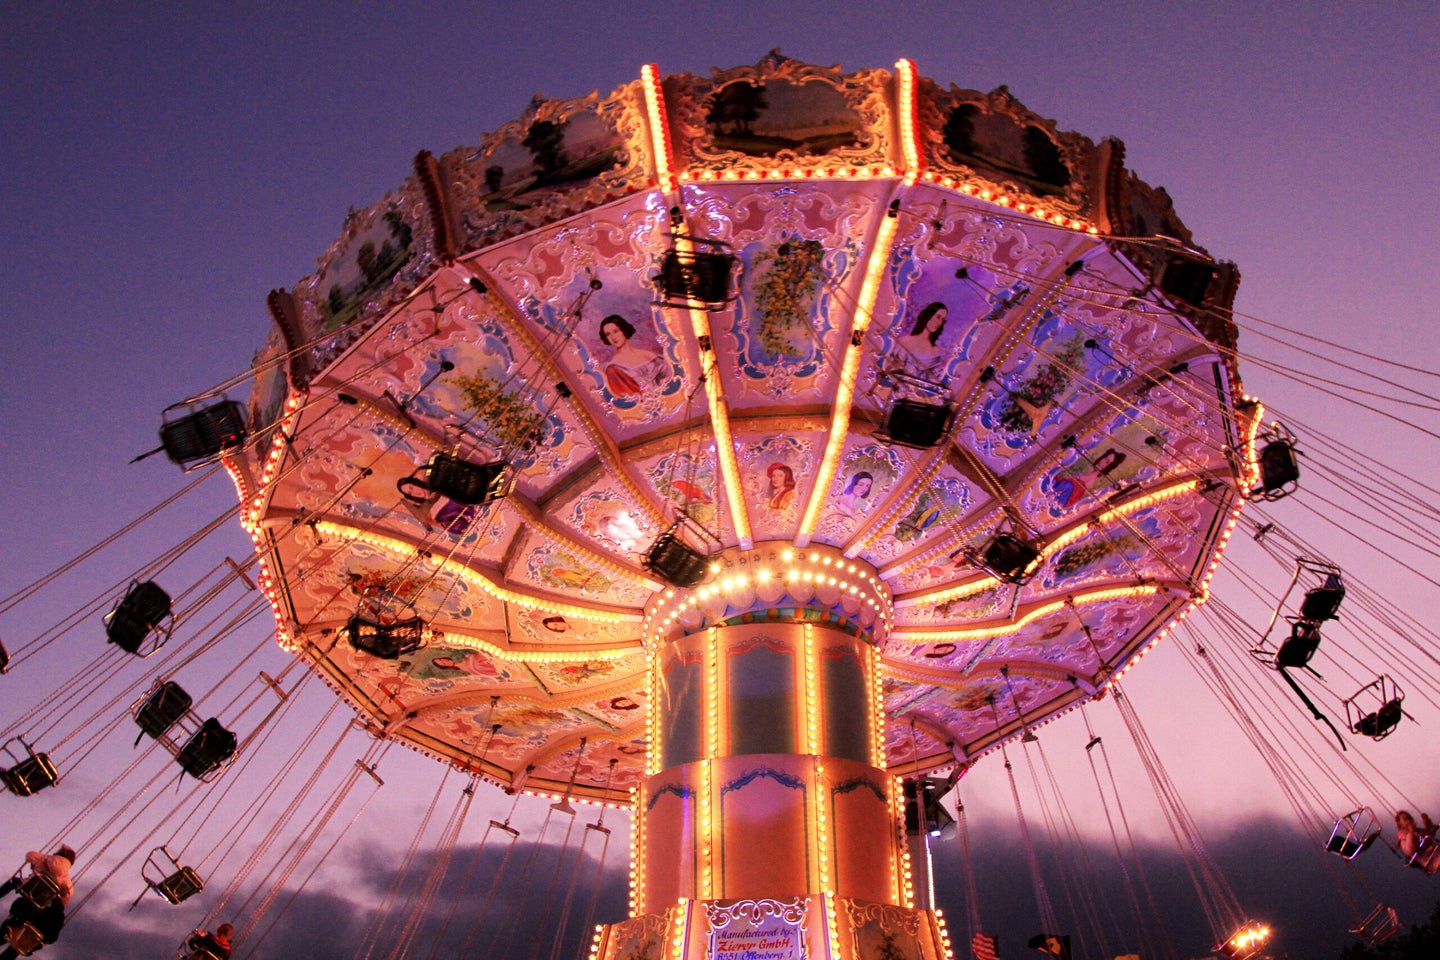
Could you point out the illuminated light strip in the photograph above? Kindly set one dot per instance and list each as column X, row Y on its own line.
column 725, row 454
column 706, row 865
column 914, row 160
column 1059, row 543
column 474, row 577
column 812, row 706
column 845, row 391
column 832, row 925
column 944, row 933
column 822, row 830
column 983, row 633
column 907, row 889
column 654, row 745
column 1250, row 461
column 877, row 707
column 460, row 639
column 637, row 848
column 897, row 843
column 659, row 125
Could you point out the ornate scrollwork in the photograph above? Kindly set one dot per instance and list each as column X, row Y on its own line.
column 755, row 911
column 890, row 918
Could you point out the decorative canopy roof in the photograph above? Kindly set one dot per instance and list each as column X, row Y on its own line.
column 907, row 260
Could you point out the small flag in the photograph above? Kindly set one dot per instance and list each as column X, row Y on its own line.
column 985, row 947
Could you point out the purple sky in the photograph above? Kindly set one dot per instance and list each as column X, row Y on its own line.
column 164, row 169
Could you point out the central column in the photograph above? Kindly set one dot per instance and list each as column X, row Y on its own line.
column 766, row 823
column 767, row 784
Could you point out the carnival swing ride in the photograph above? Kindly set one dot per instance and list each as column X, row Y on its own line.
column 757, row 452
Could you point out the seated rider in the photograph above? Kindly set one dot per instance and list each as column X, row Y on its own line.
column 47, row 921
column 1417, row 843
column 55, row 866
column 216, row 944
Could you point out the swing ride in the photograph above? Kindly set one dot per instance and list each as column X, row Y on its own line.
column 756, row 452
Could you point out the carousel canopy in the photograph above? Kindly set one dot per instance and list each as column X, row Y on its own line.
column 840, row 346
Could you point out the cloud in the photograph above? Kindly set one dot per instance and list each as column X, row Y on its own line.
column 499, row 901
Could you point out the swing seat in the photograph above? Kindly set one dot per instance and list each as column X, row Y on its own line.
column 4, row 659
column 1297, row 650
column 40, row 889
column 1379, row 925
column 915, row 423
column 30, row 775
column 162, row 709
column 180, row 885
column 203, row 952
column 207, row 749
column 1323, row 602
column 200, row 436
column 23, row 938
column 1279, row 470
column 388, row 641
column 1353, row 833
column 696, row 278
column 1008, row 557
column 457, row 479
column 1426, row 856
column 1381, row 723
column 675, row 561
column 143, row 610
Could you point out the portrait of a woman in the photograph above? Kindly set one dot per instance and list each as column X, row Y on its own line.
column 632, row 369
column 856, row 496
column 782, row 486
column 922, row 343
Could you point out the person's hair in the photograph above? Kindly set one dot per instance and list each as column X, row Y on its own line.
column 67, row 852
column 860, row 475
column 922, row 320
column 224, row 930
column 1403, row 813
column 626, row 327
column 789, row 474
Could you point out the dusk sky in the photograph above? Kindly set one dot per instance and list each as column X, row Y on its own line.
column 165, row 166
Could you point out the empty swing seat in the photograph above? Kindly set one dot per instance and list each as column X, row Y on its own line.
column 1323, row 602
column 204, row 433
column 1353, row 833
column 675, row 561
column 1008, row 557
column 162, row 709
column 1278, row 469
column 207, row 749
column 143, row 610
column 690, row 277
column 457, row 479
column 180, row 885
column 915, row 423
column 1301, row 645
column 388, row 641
column 32, row 774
